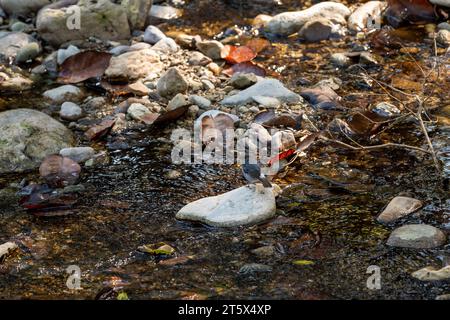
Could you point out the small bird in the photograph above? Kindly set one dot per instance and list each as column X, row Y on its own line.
column 252, row 173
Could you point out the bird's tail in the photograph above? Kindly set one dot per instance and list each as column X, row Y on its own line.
column 266, row 183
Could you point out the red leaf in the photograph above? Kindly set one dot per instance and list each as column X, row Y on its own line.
column 84, row 65
column 234, row 54
column 59, row 171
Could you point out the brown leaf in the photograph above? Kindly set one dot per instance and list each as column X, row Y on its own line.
column 98, row 131
column 59, row 171
column 214, row 127
column 171, row 115
column 258, row 44
column 245, row 67
column 405, row 84
column 84, row 65
column 270, row 119
column 234, row 54
column 137, row 88
column 307, row 142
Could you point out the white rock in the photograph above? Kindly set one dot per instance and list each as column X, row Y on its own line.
column 398, row 208
column 431, row 274
column 70, row 111
column 267, row 102
column 200, row 101
column 358, row 20
column 164, row 12
column 152, row 35
column 242, row 206
column 63, row 93
column 287, row 23
column 6, row 249
column 180, row 100
column 78, row 154
column 166, row 45
column 266, row 87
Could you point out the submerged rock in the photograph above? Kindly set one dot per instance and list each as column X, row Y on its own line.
column 242, row 206
column 11, row 81
column 418, row 236
column 28, row 136
column 287, row 23
column 11, row 44
column 101, row 19
column 398, row 208
column 265, row 87
column 6, row 249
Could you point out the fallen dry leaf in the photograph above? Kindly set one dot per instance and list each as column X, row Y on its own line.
column 84, row 65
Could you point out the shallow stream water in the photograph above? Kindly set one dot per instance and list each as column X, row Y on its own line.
column 129, row 202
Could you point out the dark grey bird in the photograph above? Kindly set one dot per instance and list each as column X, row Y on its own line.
column 252, row 173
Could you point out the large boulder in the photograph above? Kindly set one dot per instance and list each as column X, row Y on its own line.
column 243, row 206
column 287, row 23
column 23, row 7
column 28, row 136
column 98, row 18
column 444, row 3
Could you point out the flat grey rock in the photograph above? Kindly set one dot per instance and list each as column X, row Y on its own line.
column 418, row 236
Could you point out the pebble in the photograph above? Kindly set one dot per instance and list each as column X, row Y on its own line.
column 254, row 267
column 138, row 111
column 171, row 83
column 243, row 80
column 153, row 34
column 78, row 154
column 200, row 101
column 431, row 274
column 173, row 174
column 399, row 207
column 70, row 111
column 198, row 59
column 211, row 48
column 63, row 93
column 180, row 100
column 386, row 109
column 266, row 251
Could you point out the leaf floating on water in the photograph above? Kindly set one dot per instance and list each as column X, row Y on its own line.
column 234, row 54
column 122, row 296
column 84, row 65
column 303, row 262
column 157, row 249
column 98, row 131
column 59, row 171
column 245, row 67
